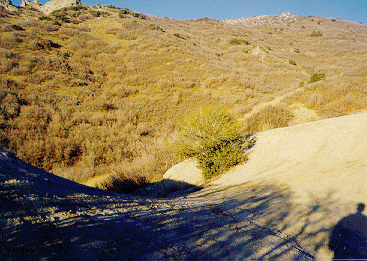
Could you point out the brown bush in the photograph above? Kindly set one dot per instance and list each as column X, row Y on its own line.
column 332, row 110
column 10, row 40
column 10, row 106
column 124, row 184
column 6, row 65
column 314, row 100
column 269, row 118
column 126, row 36
column 40, row 44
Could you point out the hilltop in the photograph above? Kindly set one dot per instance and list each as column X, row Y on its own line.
column 96, row 92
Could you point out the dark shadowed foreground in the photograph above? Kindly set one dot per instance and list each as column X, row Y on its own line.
column 47, row 217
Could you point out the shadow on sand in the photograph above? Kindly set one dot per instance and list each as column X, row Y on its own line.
column 167, row 188
column 247, row 221
column 244, row 222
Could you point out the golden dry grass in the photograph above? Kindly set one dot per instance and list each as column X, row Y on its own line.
column 83, row 94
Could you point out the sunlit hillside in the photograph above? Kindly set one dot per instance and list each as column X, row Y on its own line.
column 99, row 91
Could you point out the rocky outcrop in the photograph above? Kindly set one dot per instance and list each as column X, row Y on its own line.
column 58, row 4
column 35, row 4
column 7, row 5
column 265, row 19
column 49, row 7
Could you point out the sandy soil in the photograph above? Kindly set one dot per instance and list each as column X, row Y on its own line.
column 282, row 204
column 327, row 157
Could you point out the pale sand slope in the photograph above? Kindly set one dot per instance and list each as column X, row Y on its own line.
column 317, row 158
column 244, row 215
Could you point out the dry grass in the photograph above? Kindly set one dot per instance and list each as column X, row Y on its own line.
column 272, row 116
column 83, row 93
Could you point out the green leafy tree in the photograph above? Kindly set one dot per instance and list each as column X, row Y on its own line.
column 213, row 136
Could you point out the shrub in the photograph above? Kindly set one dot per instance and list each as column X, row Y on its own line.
column 269, row 118
column 40, row 44
column 292, row 62
column 177, row 35
column 155, row 27
column 124, row 11
column 212, row 135
column 44, row 17
column 332, row 111
column 126, row 36
column 142, row 16
column 236, row 41
column 95, row 13
column 124, row 183
column 315, row 34
column 75, row 8
column 296, row 50
column 10, row 106
column 6, row 65
column 61, row 15
column 17, row 27
column 317, row 77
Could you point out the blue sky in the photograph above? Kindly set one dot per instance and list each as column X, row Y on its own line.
column 351, row 10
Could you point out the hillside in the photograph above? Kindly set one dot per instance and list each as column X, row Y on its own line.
column 279, row 205
column 97, row 92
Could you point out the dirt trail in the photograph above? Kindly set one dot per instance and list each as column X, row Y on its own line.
column 273, row 102
column 301, row 113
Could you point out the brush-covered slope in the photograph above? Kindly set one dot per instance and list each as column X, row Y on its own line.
column 98, row 91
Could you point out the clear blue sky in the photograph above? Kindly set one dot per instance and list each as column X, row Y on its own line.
column 351, row 10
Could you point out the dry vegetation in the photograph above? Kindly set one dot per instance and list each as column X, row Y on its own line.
column 86, row 91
